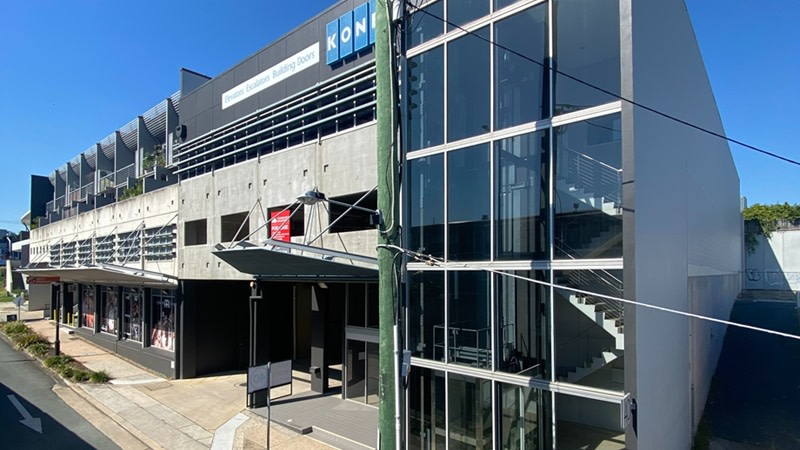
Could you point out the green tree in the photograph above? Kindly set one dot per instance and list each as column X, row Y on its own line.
column 768, row 218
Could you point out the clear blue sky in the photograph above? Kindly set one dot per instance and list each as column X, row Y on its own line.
column 73, row 72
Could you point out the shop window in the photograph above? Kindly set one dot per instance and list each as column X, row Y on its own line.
column 468, row 203
column 132, row 314
column 286, row 222
column 162, row 319
column 425, row 104
column 426, row 204
column 234, row 227
column 352, row 219
column 521, row 93
column 468, row 86
column 109, row 310
column 372, row 305
column 87, row 307
column 195, row 232
column 356, row 305
column 588, row 50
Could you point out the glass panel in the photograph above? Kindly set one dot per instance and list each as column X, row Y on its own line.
column 356, row 370
column 587, row 48
column 132, row 314
column 426, row 416
column 469, row 412
column 425, row 107
column 426, row 315
column 461, row 12
column 468, row 86
column 421, row 27
column 521, row 94
column 469, row 331
column 426, row 204
column 499, row 4
column 521, row 199
column 87, row 307
column 355, row 305
column 372, row 305
column 108, row 311
column 468, row 203
column 523, row 331
column 372, row 374
column 523, row 418
column 588, row 189
column 162, row 320
column 589, row 333
column 587, row 423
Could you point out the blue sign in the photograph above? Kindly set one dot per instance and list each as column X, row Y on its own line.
column 352, row 32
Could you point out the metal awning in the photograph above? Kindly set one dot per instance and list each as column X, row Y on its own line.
column 277, row 260
column 103, row 274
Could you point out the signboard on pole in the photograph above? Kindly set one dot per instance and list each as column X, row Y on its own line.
column 280, row 227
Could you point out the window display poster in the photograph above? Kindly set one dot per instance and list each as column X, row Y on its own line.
column 87, row 308
column 109, row 313
column 163, row 330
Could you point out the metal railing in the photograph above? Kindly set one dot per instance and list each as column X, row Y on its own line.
column 124, row 173
column 86, row 190
column 592, row 175
column 106, row 182
column 467, row 346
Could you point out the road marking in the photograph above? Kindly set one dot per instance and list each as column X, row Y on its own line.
column 34, row 423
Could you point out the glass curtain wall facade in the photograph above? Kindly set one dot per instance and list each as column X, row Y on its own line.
column 513, row 183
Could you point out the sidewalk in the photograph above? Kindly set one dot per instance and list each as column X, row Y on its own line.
column 139, row 410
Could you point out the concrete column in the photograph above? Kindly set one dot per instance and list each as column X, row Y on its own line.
column 319, row 363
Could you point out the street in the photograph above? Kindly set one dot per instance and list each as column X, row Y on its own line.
column 32, row 416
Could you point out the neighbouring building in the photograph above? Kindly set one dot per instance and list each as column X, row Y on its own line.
column 522, row 163
column 217, row 229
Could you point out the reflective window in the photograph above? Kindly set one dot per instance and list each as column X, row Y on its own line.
column 499, row 4
column 460, row 12
column 427, row 426
column 521, row 213
column 468, row 86
column 589, row 334
column 355, row 305
column 424, row 25
column 425, row 179
column 587, row 48
column 469, row 413
column 469, row 334
column 521, row 94
column 426, row 315
column 468, row 203
column 425, row 104
column 372, row 305
column 588, row 189
column 522, row 333
column 523, row 418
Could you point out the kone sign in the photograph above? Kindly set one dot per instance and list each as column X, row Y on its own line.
column 350, row 33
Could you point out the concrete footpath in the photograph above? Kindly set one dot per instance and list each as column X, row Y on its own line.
column 138, row 409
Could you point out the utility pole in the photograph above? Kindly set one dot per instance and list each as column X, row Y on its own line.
column 388, row 204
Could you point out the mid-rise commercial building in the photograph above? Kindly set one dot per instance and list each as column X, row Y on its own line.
column 217, row 230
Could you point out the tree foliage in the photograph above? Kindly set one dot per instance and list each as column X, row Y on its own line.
column 769, row 218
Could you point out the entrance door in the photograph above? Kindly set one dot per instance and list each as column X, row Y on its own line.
column 361, row 371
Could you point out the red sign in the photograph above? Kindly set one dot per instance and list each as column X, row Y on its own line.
column 43, row 280
column 280, row 227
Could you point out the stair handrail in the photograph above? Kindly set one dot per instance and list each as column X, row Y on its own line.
column 605, row 168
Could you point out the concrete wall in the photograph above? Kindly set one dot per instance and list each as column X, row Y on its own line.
column 686, row 227
column 154, row 209
column 337, row 165
column 201, row 109
column 775, row 263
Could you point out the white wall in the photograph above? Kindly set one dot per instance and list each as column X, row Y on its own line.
column 687, row 223
column 775, row 263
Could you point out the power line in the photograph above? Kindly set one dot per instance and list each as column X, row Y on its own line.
column 606, row 91
column 433, row 261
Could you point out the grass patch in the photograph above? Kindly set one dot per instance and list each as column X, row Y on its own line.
column 99, row 377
